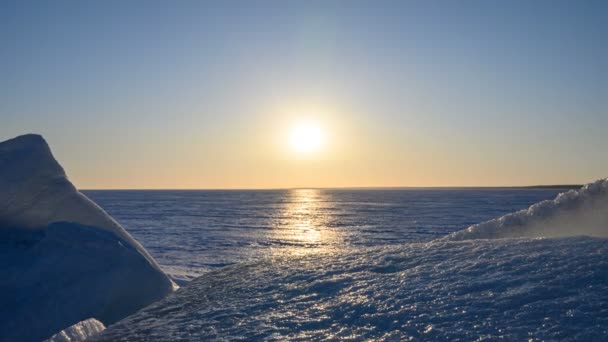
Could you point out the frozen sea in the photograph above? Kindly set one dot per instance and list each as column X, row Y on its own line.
column 192, row 232
column 316, row 264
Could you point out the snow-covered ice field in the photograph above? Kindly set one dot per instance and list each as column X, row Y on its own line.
column 383, row 265
column 192, row 232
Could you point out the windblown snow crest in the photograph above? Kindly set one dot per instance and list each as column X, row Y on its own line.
column 62, row 258
column 576, row 212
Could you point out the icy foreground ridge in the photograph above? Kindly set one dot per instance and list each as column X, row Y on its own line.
column 78, row 332
column 62, row 258
column 514, row 289
column 576, row 212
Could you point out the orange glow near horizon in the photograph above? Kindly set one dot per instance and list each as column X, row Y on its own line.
column 316, row 145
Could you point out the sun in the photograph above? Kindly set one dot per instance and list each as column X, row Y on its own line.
column 306, row 137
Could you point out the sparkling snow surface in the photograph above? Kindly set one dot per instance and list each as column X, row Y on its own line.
column 468, row 286
column 515, row 289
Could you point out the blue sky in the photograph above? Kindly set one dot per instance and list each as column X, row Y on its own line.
column 410, row 93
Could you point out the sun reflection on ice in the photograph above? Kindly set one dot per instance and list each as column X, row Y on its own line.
column 301, row 227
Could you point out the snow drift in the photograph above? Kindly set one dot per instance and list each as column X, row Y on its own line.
column 62, row 258
column 576, row 212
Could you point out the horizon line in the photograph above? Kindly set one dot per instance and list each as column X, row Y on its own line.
column 549, row 186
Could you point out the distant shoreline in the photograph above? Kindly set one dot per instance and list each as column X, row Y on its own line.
column 566, row 186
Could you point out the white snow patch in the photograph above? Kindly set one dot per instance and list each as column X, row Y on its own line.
column 78, row 332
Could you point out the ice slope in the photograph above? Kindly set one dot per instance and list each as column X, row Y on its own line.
column 576, row 212
column 78, row 332
column 513, row 289
column 469, row 286
column 62, row 258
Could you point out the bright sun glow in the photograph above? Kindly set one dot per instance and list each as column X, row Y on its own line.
column 306, row 137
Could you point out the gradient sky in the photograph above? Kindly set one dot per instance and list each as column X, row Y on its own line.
column 201, row 94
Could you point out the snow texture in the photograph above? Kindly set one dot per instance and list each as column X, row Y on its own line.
column 62, row 258
column 78, row 332
column 576, row 212
column 511, row 289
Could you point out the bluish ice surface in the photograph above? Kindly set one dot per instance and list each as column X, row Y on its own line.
column 192, row 232
column 377, row 265
column 475, row 290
